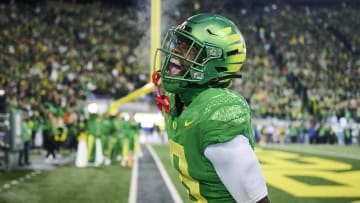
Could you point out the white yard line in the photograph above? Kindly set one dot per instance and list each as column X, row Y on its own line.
column 315, row 151
column 174, row 193
column 20, row 179
column 134, row 182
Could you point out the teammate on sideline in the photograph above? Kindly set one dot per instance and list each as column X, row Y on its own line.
column 210, row 129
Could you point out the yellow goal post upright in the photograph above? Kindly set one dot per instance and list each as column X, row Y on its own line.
column 155, row 40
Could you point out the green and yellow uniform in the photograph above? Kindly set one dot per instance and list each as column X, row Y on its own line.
column 200, row 57
column 215, row 116
column 93, row 130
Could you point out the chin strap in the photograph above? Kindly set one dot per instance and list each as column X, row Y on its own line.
column 162, row 101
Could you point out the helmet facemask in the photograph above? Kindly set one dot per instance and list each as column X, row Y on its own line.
column 183, row 60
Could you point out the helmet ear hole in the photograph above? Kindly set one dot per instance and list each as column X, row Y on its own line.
column 233, row 52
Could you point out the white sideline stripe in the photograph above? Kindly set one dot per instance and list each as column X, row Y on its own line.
column 134, row 182
column 174, row 193
column 316, row 151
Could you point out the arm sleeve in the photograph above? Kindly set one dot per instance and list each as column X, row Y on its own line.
column 238, row 168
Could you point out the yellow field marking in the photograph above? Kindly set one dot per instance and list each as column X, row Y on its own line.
column 278, row 171
column 275, row 160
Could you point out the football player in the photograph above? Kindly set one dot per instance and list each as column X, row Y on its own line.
column 209, row 127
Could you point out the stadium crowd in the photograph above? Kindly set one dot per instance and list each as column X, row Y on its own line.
column 54, row 56
column 57, row 54
column 302, row 63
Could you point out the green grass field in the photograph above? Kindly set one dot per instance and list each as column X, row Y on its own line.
column 296, row 174
column 67, row 184
column 306, row 175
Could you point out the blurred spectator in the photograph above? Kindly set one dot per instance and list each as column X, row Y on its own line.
column 26, row 137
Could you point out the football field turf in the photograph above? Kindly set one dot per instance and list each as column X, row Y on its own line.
column 67, row 184
column 302, row 173
column 295, row 174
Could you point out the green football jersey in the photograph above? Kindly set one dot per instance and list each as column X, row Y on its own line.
column 214, row 116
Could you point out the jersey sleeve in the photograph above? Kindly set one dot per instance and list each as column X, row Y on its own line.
column 240, row 172
column 225, row 122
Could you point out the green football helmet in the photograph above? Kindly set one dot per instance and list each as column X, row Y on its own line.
column 207, row 50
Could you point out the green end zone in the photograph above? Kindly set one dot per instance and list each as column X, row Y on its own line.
column 300, row 177
column 311, row 177
column 314, row 181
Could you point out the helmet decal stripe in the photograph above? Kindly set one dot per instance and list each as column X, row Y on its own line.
column 237, row 57
column 224, row 31
column 235, row 46
column 233, row 67
column 233, row 38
